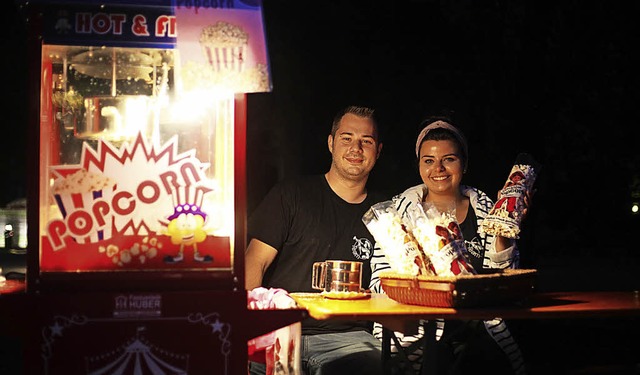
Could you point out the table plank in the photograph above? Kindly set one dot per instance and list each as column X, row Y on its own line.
column 395, row 316
column 379, row 307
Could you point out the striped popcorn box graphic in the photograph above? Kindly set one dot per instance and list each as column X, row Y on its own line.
column 76, row 195
column 226, row 58
column 224, row 46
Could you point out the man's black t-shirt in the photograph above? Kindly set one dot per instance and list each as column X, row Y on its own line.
column 307, row 222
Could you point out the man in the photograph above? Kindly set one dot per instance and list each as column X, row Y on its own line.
column 316, row 218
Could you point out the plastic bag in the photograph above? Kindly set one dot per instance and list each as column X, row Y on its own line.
column 396, row 241
column 440, row 238
column 279, row 350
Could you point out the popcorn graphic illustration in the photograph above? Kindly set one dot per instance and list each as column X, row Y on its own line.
column 187, row 222
column 224, row 46
column 79, row 191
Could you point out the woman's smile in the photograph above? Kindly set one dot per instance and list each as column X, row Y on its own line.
column 439, row 178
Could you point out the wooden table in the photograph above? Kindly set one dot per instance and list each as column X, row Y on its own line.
column 395, row 316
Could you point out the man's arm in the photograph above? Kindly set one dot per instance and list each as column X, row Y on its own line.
column 257, row 258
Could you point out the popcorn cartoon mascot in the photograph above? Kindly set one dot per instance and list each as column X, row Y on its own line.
column 186, row 228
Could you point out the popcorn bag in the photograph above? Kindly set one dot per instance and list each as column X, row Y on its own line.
column 506, row 215
column 440, row 238
column 397, row 243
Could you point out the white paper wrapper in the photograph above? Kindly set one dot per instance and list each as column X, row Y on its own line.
column 440, row 238
column 397, row 243
column 505, row 217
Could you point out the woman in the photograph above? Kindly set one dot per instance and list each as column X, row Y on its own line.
column 442, row 155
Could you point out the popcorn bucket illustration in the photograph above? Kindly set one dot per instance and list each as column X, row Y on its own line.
column 75, row 195
column 224, row 46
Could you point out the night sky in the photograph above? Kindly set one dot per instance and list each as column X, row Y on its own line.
column 556, row 79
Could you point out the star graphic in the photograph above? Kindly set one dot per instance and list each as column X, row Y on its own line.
column 56, row 329
column 217, row 326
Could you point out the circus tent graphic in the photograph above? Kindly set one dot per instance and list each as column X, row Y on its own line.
column 138, row 357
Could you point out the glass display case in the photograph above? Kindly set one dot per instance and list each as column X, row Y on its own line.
column 133, row 176
column 140, row 160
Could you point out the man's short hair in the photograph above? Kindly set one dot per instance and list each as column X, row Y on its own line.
column 363, row 112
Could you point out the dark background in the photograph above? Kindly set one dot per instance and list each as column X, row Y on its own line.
column 556, row 79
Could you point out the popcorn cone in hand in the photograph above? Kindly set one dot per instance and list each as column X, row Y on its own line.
column 505, row 217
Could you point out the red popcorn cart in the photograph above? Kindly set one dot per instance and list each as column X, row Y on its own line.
column 137, row 187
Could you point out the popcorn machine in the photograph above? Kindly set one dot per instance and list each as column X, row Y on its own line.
column 136, row 205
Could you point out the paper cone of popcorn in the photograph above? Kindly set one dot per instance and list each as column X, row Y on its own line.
column 80, row 191
column 225, row 46
column 505, row 217
column 440, row 237
column 397, row 242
